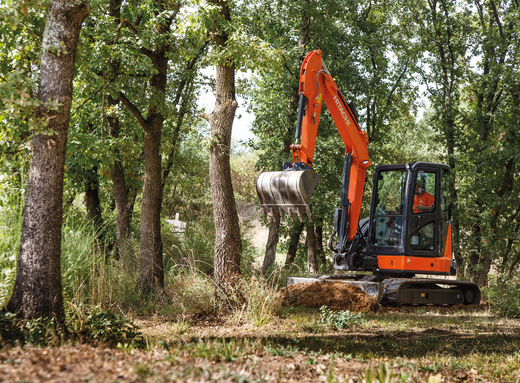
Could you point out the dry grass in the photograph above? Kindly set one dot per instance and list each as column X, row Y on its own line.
column 415, row 345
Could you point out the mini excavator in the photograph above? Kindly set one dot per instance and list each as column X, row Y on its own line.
column 408, row 231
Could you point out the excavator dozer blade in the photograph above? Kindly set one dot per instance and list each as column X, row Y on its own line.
column 287, row 192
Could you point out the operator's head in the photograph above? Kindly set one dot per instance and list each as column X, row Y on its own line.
column 420, row 186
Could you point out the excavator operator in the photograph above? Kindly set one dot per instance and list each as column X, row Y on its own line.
column 423, row 201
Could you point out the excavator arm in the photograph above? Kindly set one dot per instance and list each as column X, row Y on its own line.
column 290, row 191
column 318, row 86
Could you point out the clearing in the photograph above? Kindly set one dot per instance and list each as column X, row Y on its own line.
column 424, row 344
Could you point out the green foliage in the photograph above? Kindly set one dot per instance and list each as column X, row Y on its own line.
column 504, row 298
column 340, row 319
column 88, row 325
column 217, row 350
column 99, row 326
column 38, row 332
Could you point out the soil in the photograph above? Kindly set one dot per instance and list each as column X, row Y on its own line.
column 336, row 296
column 95, row 364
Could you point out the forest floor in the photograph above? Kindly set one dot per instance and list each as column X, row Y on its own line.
column 423, row 344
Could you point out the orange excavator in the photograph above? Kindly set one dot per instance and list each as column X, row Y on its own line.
column 408, row 231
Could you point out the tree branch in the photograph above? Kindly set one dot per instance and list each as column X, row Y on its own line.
column 145, row 51
column 133, row 109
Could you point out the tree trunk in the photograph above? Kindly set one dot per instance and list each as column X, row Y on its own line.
column 37, row 290
column 123, row 211
column 319, row 245
column 92, row 202
column 151, row 272
column 293, row 243
column 272, row 242
column 312, row 253
column 228, row 244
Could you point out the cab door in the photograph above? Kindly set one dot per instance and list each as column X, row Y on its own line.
column 423, row 230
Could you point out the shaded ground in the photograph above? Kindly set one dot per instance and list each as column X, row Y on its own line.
column 422, row 344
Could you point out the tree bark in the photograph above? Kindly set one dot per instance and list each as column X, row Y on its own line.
column 37, row 290
column 123, row 211
column 312, row 253
column 92, row 202
column 228, row 244
column 272, row 242
column 151, row 268
column 319, row 245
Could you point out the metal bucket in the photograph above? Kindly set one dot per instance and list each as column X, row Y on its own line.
column 286, row 192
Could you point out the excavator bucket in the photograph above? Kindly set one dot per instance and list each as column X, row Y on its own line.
column 287, row 192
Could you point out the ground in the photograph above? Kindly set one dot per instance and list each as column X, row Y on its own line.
column 412, row 344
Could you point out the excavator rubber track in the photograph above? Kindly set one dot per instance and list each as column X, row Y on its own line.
column 406, row 291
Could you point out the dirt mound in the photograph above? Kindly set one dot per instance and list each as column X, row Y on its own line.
column 335, row 295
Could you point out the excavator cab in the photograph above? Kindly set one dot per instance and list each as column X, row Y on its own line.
column 409, row 230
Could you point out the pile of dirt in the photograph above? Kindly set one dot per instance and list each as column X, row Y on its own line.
column 335, row 295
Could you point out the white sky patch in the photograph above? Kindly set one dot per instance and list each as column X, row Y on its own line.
column 243, row 120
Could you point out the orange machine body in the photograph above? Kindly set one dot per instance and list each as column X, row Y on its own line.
column 413, row 264
column 318, row 86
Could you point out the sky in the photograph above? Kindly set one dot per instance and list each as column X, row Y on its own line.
column 241, row 130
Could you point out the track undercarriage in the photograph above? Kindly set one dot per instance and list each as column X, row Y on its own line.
column 405, row 291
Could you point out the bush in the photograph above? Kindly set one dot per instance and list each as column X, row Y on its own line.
column 84, row 324
column 39, row 332
column 340, row 319
column 95, row 325
column 191, row 293
column 504, row 298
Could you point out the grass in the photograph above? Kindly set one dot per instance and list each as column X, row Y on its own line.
column 430, row 346
column 199, row 339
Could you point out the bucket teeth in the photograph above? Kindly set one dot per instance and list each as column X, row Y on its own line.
column 287, row 192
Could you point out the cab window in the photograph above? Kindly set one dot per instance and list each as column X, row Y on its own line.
column 424, row 197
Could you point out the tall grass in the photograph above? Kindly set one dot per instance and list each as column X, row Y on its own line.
column 90, row 273
column 10, row 234
column 93, row 276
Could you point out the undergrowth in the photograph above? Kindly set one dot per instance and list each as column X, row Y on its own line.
column 92, row 325
column 505, row 298
column 340, row 319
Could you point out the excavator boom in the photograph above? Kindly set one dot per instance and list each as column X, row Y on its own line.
column 290, row 191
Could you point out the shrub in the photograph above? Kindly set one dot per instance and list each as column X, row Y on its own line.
column 340, row 319
column 84, row 324
column 95, row 325
column 39, row 332
column 504, row 298
column 191, row 293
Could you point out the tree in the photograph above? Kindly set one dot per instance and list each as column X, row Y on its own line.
column 490, row 185
column 228, row 243
column 37, row 290
column 442, row 27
